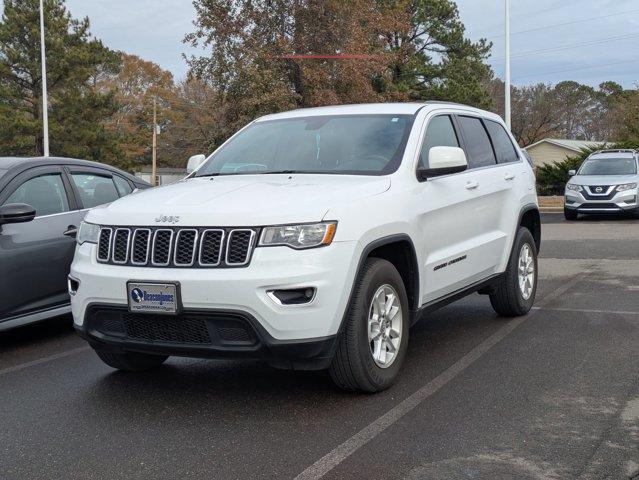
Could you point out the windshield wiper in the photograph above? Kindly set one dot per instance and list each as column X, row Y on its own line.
column 275, row 172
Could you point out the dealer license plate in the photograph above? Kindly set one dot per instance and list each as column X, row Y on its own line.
column 153, row 297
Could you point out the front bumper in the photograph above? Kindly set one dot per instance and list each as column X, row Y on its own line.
column 202, row 334
column 616, row 203
column 241, row 292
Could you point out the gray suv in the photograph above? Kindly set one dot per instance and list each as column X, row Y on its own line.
column 42, row 202
column 606, row 182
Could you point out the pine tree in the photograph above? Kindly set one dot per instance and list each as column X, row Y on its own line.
column 77, row 110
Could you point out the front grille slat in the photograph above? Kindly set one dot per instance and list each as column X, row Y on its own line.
column 161, row 250
column 104, row 244
column 176, row 247
column 239, row 246
column 121, row 242
column 141, row 246
column 185, row 242
column 211, row 248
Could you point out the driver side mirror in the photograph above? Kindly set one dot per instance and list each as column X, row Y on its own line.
column 443, row 161
column 194, row 162
column 572, row 173
column 16, row 213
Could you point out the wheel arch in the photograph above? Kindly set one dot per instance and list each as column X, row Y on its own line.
column 530, row 218
column 399, row 250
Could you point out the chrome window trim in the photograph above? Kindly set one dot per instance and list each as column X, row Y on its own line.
column 219, row 256
column 148, row 246
column 168, row 260
column 177, row 243
column 249, row 251
column 128, row 246
column 105, row 260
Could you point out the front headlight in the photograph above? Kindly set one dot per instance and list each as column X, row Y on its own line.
column 573, row 187
column 299, row 236
column 626, row 187
column 88, row 233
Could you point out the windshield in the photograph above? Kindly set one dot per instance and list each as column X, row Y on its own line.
column 609, row 166
column 354, row 144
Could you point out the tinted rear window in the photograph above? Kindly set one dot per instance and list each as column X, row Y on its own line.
column 480, row 151
column 504, row 147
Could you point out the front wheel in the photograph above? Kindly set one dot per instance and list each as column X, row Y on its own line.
column 570, row 214
column 515, row 293
column 373, row 344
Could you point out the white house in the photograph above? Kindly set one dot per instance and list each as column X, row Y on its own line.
column 553, row 150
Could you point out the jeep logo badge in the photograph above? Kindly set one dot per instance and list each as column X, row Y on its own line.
column 168, row 219
column 598, row 189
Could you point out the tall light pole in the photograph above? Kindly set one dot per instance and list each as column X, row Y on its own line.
column 507, row 68
column 45, row 101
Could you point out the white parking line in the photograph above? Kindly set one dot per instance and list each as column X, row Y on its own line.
column 586, row 310
column 336, row 456
column 40, row 361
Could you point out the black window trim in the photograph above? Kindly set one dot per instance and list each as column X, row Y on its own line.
column 460, row 140
column 515, row 148
column 37, row 171
column 490, row 140
column 82, row 169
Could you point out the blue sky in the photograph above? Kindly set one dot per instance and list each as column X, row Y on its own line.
column 601, row 44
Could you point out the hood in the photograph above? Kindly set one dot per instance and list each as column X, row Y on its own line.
column 239, row 200
column 602, row 179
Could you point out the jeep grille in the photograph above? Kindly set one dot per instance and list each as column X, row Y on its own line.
column 176, row 247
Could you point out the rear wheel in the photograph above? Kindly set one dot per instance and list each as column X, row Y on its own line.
column 373, row 345
column 130, row 361
column 515, row 293
column 570, row 214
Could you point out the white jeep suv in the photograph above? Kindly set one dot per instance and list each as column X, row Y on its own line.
column 313, row 239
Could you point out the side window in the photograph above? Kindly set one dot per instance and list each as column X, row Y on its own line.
column 503, row 145
column 480, row 151
column 45, row 193
column 440, row 133
column 95, row 189
column 124, row 188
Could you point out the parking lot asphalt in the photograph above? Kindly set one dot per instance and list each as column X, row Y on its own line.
column 552, row 395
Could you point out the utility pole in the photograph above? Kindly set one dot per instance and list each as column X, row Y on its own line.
column 154, row 166
column 45, row 101
column 507, row 68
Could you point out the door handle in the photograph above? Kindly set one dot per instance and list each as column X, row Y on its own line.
column 509, row 176
column 471, row 185
column 71, row 231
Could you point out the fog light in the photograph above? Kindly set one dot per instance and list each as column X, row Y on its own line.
column 73, row 284
column 631, row 200
column 293, row 296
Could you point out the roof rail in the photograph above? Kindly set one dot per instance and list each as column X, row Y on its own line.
column 616, row 150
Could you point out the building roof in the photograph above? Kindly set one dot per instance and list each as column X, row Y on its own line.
column 574, row 145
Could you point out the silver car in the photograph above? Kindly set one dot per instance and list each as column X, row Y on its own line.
column 606, row 182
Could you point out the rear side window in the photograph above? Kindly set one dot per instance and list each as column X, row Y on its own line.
column 124, row 188
column 504, row 147
column 95, row 189
column 480, row 151
column 440, row 133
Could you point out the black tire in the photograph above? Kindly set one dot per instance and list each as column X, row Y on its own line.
column 507, row 299
column 353, row 367
column 130, row 361
column 570, row 214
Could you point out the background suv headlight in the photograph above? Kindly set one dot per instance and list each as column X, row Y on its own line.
column 88, row 233
column 299, row 236
column 573, row 187
column 626, row 186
